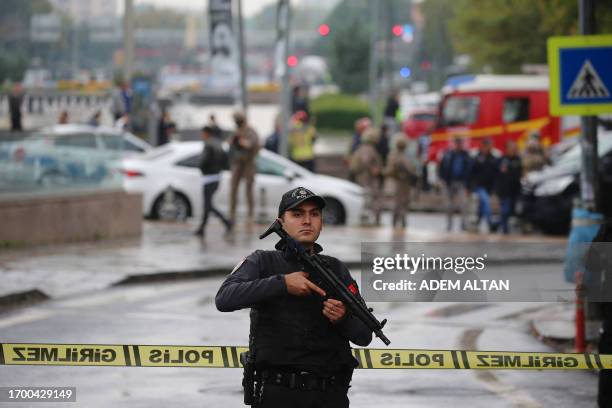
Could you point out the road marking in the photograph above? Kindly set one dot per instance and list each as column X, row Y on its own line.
column 516, row 397
column 25, row 317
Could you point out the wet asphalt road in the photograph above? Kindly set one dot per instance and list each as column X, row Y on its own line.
column 184, row 313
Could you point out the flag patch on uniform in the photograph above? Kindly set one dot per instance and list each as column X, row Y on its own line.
column 353, row 288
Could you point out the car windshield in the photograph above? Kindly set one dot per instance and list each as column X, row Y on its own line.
column 157, row 153
column 428, row 117
column 267, row 166
column 573, row 156
column 460, row 110
column 83, row 140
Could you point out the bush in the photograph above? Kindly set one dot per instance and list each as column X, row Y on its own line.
column 338, row 111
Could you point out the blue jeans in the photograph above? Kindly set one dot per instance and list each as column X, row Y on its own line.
column 484, row 205
column 507, row 209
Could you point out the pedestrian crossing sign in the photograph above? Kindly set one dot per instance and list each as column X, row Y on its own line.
column 580, row 70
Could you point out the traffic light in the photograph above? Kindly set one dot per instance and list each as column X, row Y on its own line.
column 323, row 30
column 397, row 30
column 407, row 33
column 292, row 60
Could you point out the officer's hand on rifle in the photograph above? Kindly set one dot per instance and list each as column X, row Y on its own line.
column 299, row 285
column 334, row 310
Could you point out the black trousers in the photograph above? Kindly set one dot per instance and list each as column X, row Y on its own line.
column 208, row 190
column 604, row 397
column 275, row 396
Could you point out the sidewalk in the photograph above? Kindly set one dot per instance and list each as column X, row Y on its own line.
column 170, row 250
column 556, row 326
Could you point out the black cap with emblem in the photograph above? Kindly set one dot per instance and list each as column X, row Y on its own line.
column 295, row 197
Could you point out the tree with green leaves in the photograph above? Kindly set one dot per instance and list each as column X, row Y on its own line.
column 505, row 34
column 436, row 46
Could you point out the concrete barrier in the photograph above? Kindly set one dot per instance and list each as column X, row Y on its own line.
column 33, row 219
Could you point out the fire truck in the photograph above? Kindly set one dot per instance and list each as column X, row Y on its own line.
column 499, row 107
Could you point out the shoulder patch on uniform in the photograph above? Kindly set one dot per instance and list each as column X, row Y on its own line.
column 238, row 265
column 353, row 288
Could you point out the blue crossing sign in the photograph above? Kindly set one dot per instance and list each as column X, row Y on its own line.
column 580, row 75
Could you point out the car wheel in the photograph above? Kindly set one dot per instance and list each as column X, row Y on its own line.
column 333, row 213
column 171, row 206
column 54, row 179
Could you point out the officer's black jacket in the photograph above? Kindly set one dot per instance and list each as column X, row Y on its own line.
column 291, row 331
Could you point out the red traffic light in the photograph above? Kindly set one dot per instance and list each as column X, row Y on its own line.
column 292, row 60
column 323, row 30
column 426, row 65
column 397, row 30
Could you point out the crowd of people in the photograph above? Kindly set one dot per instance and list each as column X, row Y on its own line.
column 485, row 175
column 376, row 158
column 381, row 159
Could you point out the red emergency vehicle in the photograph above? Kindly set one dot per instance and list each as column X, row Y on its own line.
column 499, row 107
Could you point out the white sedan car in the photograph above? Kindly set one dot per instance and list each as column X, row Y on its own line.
column 169, row 179
column 66, row 155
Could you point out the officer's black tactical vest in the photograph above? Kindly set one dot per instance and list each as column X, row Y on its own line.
column 292, row 331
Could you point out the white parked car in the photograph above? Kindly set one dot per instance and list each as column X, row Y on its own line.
column 170, row 180
column 66, row 155
column 107, row 141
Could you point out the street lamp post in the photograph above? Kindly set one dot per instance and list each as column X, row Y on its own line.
column 284, row 30
column 373, row 66
column 241, row 56
column 128, row 41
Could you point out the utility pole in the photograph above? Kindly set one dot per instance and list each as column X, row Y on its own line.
column 75, row 49
column 128, row 41
column 373, row 66
column 284, row 23
column 241, row 56
column 388, row 44
column 589, row 183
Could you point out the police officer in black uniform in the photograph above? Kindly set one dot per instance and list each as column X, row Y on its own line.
column 300, row 341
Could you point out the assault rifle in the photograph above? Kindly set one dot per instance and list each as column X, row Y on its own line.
column 339, row 291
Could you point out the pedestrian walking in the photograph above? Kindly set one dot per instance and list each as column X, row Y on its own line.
column 244, row 145
column 64, row 118
column 534, row 156
column 390, row 112
column 164, row 128
column 94, row 120
column 366, row 164
column 299, row 340
column 302, row 137
column 15, row 102
column 403, row 171
column 508, row 186
column 121, row 101
column 300, row 100
column 214, row 160
column 483, row 177
column 360, row 125
column 454, row 171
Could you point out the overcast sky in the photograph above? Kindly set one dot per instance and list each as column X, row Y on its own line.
column 249, row 7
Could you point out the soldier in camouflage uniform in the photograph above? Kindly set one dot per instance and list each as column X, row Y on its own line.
column 244, row 145
column 366, row 164
column 403, row 171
